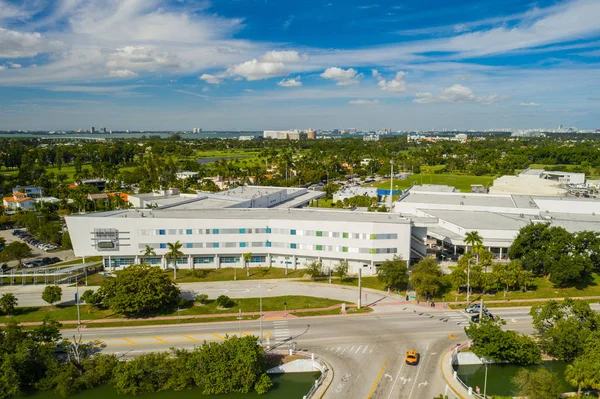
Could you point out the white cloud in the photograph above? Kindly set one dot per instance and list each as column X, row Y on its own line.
column 530, row 104
column 343, row 77
column 2, row 67
column 13, row 65
column 291, row 82
column 122, row 73
column 205, row 89
column 456, row 94
column 397, row 84
column 140, row 59
column 210, row 79
column 15, row 44
column 283, row 56
column 376, row 74
column 363, row 102
column 256, row 70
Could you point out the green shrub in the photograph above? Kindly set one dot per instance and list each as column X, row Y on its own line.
column 202, row 298
column 224, row 301
column 263, row 384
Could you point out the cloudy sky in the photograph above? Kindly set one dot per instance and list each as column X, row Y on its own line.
column 275, row 64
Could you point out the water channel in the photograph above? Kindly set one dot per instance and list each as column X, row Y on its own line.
column 499, row 381
column 285, row 386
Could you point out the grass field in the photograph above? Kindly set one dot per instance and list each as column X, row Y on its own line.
column 461, row 182
column 322, row 203
column 544, row 289
column 150, row 322
column 62, row 313
column 223, row 274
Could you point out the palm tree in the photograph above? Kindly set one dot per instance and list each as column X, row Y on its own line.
column 174, row 254
column 148, row 251
column 473, row 238
column 578, row 376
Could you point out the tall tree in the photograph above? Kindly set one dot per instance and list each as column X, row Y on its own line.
column 8, row 303
column 426, row 278
column 16, row 250
column 393, row 272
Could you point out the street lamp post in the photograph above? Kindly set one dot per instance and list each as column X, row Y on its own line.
column 261, row 316
column 285, row 309
column 77, row 296
column 485, row 379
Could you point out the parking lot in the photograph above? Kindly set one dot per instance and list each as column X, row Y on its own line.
column 38, row 253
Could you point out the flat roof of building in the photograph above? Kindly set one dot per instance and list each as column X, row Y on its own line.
column 446, row 198
column 257, row 213
column 481, row 220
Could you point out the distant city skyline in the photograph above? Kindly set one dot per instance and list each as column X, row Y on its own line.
column 275, row 65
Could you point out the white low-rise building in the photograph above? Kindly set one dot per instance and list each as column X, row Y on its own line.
column 213, row 238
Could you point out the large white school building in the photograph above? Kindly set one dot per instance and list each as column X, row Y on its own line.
column 213, row 238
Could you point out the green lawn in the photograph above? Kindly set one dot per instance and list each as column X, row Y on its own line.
column 223, row 274
column 432, row 169
column 544, row 289
column 461, row 182
column 62, row 313
column 322, row 203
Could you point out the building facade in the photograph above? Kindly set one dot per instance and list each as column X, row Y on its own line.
column 215, row 238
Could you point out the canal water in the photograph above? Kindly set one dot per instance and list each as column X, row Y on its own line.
column 499, row 381
column 285, row 386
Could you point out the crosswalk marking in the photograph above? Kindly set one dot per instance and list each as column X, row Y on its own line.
column 282, row 331
column 351, row 350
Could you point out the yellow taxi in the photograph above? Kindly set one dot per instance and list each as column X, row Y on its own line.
column 412, row 357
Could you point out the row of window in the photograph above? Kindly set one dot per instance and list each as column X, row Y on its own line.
column 269, row 244
column 293, row 232
column 118, row 262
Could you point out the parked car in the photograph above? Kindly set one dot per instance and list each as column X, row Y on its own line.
column 28, row 265
column 55, row 260
column 474, row 308
column 4, row 267
column 47, row 261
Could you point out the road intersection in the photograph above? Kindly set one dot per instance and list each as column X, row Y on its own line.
column 366, row 351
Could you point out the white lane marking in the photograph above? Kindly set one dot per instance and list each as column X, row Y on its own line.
column 417, row 376
column 345, row 349
column 338, row 349
column 396, row 380
column 351, row 349
column 358, row 349
column 366, row 347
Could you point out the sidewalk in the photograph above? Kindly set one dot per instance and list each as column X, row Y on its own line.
column 265, row 315
column 532, row 300
column 448, row 372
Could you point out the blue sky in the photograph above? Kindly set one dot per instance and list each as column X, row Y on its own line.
column 275, row 64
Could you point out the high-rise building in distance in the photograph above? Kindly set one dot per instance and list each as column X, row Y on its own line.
column 92, row 129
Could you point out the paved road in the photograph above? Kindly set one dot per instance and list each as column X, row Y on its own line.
column 366, row 351
column 31, row 295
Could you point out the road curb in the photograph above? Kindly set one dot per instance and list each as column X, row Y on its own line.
column 450, row 382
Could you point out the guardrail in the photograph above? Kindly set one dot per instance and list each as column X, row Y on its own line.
column 319, row 365
column 453, row 361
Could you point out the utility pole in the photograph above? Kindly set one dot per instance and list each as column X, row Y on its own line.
column 261, row 316
column 359, row 287
column 468, row 280
column 77, row 300
column 481, row 310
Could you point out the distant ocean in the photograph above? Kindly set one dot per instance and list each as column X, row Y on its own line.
column 136, row 135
